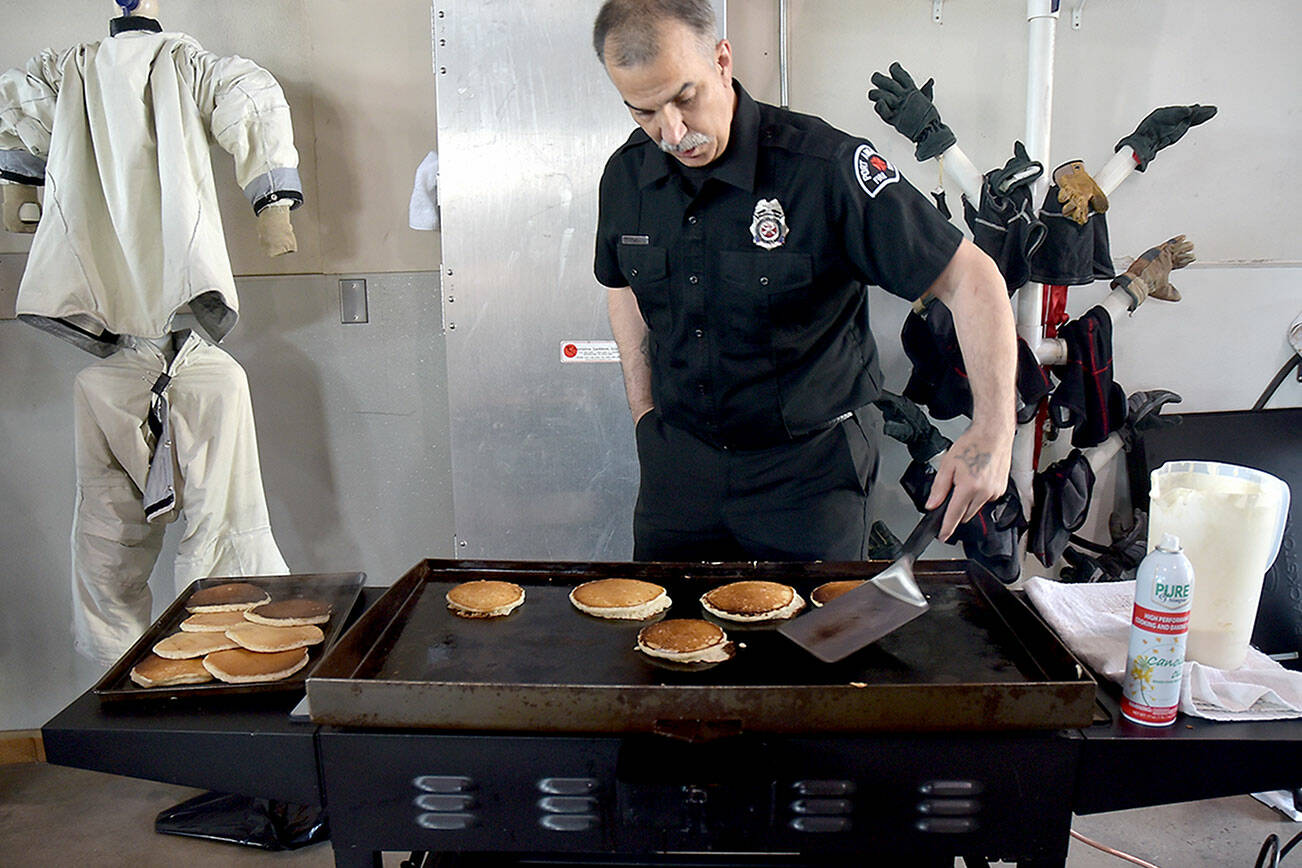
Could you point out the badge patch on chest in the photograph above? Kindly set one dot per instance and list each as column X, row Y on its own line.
column 873, row 171
column 768, row 228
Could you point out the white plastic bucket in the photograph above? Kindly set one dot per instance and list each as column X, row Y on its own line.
column 1230, row 520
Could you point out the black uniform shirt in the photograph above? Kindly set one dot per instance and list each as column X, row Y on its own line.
column 752, row 286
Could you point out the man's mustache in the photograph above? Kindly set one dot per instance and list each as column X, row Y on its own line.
column 689, row 141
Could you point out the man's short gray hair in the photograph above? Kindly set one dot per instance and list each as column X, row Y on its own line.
column 631, row 28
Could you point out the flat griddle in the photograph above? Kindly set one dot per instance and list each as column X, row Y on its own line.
column 340, row 590
column 979, row 660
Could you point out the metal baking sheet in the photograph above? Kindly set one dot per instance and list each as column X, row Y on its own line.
column 978, row 660
column 340, row 590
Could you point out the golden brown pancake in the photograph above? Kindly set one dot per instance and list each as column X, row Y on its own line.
column 155, row 671
column 212, row 622
column 685, row 640
column 484, row 598
column 752, row 601
column 244, row 667
column 825, row 593
column 230, row 597
column 290, row 613
column 262, row 637
column 179, row 646
column 620, row 599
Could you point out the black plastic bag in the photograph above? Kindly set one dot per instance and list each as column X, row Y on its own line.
column 267, row 824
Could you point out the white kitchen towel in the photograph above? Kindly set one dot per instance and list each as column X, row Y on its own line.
column 1094, row 622
column 423, row 210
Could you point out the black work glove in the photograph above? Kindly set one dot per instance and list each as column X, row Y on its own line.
column 1082, row 568
column 911, row 111
column 1019, row 171
column 906, row 422
column 1162, row 127
column 882, row 544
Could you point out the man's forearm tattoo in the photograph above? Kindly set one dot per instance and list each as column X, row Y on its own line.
column 975, row 460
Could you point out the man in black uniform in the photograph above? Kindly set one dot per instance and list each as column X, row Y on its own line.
column 736, row 239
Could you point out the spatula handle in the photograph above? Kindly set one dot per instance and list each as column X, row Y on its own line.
column 926, row 530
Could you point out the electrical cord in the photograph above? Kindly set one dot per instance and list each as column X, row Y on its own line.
column 1134, row 860
column 1270, row 850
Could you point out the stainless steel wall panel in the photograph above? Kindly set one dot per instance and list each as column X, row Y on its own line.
column 542, row 451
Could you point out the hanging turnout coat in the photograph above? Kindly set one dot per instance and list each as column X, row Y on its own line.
column 119, row 130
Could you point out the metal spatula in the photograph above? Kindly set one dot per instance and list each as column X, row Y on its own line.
column 884, row 603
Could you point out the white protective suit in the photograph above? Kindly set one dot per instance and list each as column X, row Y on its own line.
column 212, row 447
column 119, row 130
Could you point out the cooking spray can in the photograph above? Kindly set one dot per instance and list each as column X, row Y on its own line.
column 1158, row 628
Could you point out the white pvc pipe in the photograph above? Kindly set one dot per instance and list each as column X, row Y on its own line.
column 962, row 172
column 1114, row 171
column 1042, row 22
column 1052, row 351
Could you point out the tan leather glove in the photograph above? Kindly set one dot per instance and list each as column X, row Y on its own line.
column 1077, row 192
column 275, row 231
column 1149, row 274
column 22, row 209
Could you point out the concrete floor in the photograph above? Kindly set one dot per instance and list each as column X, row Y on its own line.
column 50, row 815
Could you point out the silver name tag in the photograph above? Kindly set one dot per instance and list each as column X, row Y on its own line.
column 635, row 239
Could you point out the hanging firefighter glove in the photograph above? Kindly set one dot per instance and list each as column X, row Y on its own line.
column 22, row 210
column 1019, row 171
column 275, row 231
column 911, row 111
column 1149, row 274
column 1078, row 193
column 1162, row 127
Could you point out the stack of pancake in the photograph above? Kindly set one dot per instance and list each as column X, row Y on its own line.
column 236, row 634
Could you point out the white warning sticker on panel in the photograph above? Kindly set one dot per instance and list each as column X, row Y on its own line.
column 589, row 351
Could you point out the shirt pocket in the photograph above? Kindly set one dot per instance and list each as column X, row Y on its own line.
column 647, row 271
column 767, row 296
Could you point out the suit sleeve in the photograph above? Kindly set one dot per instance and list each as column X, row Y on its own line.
column 246, row 111
column 27, row 100
column 894, row 236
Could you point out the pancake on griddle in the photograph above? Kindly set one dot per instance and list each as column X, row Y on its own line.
column 246, row 667
column 752, row 602
column 155, row 671
column 825, row 593
column 484, row 598
column 262, row 637
column 620, row 599
column 179, row 646
column 212, row 622
column 230, row 597
column 686, row 641
column 290, row 613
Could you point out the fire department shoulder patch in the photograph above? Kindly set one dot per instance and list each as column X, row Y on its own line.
column 768, row 228
column 873, row 171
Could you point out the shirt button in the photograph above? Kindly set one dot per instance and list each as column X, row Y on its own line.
column 693, row 280
column 764, row 281
column 633, row 272
column 692, row 220
column 700, row 333
column 701, row 388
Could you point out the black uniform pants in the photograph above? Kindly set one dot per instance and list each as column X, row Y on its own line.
column 802, row 500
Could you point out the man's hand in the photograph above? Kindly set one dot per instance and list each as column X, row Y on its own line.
column 1163, row 127
column 1077, row 192
column 976, row 467
column 908, row 108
